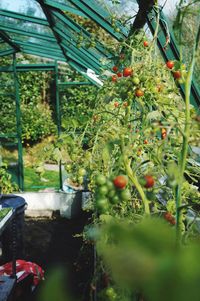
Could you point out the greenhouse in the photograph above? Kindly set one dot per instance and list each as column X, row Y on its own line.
column 99, row 150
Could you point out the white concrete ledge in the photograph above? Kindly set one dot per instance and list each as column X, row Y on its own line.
column 69, row 204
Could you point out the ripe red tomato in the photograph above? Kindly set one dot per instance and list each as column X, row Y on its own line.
column 149, row 181
column 145, row 141
column 170, row 64
column 120, row 181
column 114, row 78
column 115, row 68
column 127, row 71
column 125, row 195
column 163, row 133
column 170, row 218
column 146, row 44
column 139, row 93
column 116, row 104
column 119, row 74
column 177, row 74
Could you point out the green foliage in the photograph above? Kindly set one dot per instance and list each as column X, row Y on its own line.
column 36, row 122
column 6, row 185
column 36, row 111
column 143, row 258
column 77, row 106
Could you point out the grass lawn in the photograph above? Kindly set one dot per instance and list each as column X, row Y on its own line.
column 32, row 181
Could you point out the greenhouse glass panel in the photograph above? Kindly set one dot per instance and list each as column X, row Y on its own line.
column 119, row 8
column 27, row 7
column 24, row 26
column 72, row 39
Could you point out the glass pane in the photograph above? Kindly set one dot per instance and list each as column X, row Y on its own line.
column 28, row 7
column 24, row 25
column 125, row 7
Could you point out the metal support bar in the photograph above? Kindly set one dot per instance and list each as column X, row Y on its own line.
column 66, row 7
column 19, row 127
column 35, row 67
column 44, row 54
column 7, row 52
column 58, row 117
column 75, row 84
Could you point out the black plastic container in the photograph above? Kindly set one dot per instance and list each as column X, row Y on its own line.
column 19, row 204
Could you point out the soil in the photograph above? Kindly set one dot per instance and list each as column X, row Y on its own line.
column 52, row 244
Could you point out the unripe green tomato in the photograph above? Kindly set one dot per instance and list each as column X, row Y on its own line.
column 103, row 190
column 82, row 172
column 111, row 193
column 88, row 155
column 154, row 89
column 80, row 180
column 125, row 195
column 143, row 78
column 68, row 167
column 73, row 157
column 180, row 81
column 110, row 293
column 110, row 185
column 100, row 179
column 102, row 204
column 136, row 80
column 114, row 199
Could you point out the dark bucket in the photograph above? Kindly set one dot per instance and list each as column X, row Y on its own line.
column 19, row 204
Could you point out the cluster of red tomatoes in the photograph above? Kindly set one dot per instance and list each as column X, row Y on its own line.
column 110, row 191
column 176, row 73
column 128, row 72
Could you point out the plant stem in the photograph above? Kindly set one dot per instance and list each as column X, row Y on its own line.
column 134, row 179
column 184, row 151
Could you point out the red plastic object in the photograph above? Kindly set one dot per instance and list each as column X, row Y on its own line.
column 23, row 269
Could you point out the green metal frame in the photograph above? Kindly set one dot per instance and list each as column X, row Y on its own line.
column 19, row 126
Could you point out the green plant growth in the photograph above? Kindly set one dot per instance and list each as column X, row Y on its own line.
column 138, row 160
column 6, row 184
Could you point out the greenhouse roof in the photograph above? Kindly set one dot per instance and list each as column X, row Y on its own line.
column 53, row 30
column 47, row 29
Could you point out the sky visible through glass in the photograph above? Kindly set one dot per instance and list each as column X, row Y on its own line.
column 21, row 5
